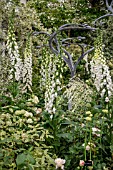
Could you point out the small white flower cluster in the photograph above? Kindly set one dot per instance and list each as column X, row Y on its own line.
column 96, row 131
column 20, row 112
column 89, row 146
column 13, row 51
column 25, row 113
column 23, row 1
column 33, row 100
column 101, row 74
column 29, row 121
column 60, row 163
column 28, row 114
column 61, row 1
column 27, row 68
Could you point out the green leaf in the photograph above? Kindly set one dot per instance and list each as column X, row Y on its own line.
column 66, row 122
column 1, row 153
column 64, row 135
column 99, row 166
column 7, row 160
column 21, row 158
column 30, row 159
column 30, row 167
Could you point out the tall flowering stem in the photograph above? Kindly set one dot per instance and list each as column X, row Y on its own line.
column 27, row 67
column 4, row 64
column 51, row 73
column 100, row 71
column 15, row 73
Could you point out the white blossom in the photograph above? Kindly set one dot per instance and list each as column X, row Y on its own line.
column 60, row 163
column 106, row 99
column 29, row 121
column 51, row 117
column 96, row 131
column 28, row 114
column 35, row 99
column 54, row 110
column 87, row 147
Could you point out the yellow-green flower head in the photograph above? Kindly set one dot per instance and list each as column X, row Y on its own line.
column 88, row 118
column 11, row 110
column 3, row 133
column 88, row 113
column 29, row 121
column 28, row 114
column 29, row 103
column 88, row 105
column 8, row 123
column 2, row 123
column 105, row 111
column 91, row 144
column 35, row 99
column 19, row 112
column 3, row 116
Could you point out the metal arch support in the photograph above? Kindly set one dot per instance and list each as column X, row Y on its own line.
column 52, row 38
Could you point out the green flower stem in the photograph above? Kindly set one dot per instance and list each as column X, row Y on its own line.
column 85, row 144
column 101, row 128
column 90, row 141
column 109, row 118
